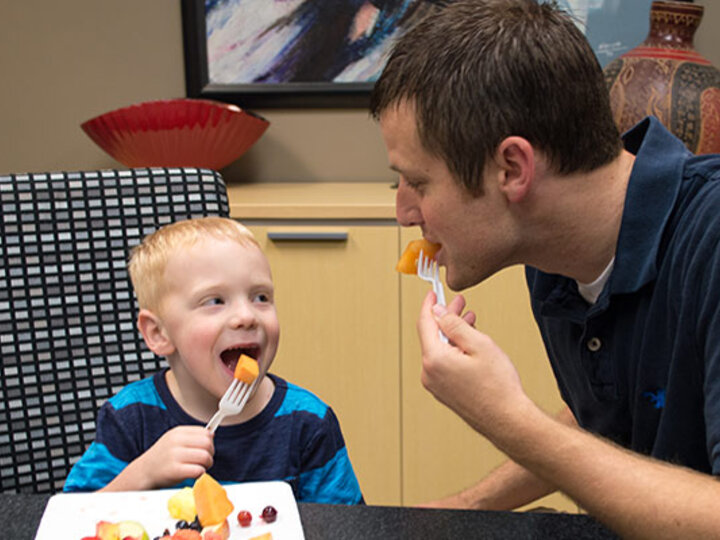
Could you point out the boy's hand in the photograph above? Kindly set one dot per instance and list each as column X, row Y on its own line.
column 181, row 453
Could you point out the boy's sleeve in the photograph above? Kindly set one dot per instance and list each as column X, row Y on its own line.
column 328, row 475
column 100, row 464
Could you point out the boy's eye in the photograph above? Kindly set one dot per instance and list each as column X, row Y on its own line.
column 262, row 297
column 216, row 301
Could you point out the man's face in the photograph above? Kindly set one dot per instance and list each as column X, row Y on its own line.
column 469, row 228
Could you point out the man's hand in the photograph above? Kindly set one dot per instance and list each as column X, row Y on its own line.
column 181, row 453
column 636, row 496
column 471, row 375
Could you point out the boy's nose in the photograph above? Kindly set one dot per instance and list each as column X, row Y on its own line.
column 243, row 315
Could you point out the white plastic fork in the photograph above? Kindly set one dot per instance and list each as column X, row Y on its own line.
column 427, row 269
column 232, row 402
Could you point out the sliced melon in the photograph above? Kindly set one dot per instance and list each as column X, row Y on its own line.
column 211, row 501
column 246, row 369
column 408, row 260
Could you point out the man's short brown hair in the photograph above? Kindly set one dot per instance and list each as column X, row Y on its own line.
column 478, row 71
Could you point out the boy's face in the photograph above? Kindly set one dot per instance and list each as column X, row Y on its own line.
column 219, row 304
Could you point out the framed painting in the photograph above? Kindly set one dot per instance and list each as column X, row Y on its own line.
column 291, row 53
column 328, row 53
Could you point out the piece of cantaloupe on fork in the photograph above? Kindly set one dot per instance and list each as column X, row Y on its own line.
column 246, row 369
column 409, row 259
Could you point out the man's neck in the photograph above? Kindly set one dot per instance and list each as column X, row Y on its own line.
column 578, row 221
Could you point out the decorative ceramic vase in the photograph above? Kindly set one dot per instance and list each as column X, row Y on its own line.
column 664, row 76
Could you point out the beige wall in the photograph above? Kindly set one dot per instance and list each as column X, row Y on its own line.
column 64, row 62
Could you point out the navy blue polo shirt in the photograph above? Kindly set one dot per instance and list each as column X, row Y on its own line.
column 642, row 365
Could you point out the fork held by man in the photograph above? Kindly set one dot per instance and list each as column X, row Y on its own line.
column 428, row 270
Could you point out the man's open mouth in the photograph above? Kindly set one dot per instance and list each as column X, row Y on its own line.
column 230, row 356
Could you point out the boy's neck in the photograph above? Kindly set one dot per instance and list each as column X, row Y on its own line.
column 202, row 408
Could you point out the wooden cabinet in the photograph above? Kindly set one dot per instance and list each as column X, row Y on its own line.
column 348, row 334
column 338, row 308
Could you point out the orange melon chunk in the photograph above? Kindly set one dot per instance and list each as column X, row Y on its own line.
column 246, row 369
column 408, row 260
column 211, row 501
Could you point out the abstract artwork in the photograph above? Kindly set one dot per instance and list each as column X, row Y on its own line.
column 311, row 52
column 328, row 53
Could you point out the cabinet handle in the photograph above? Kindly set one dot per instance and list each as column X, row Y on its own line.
column 308, row 236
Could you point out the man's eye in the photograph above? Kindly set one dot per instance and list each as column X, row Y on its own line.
column 415, row 185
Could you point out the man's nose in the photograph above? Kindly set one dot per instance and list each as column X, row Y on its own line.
column 407, row 211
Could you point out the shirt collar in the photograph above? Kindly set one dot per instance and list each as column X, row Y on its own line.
column 653, row 187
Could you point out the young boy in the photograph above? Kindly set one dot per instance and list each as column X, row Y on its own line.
column 206, row 296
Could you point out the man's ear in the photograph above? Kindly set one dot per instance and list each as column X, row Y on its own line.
column 516, row 157
column 154, row 334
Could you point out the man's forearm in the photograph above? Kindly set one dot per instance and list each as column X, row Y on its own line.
column 508, row 487
column 638, row 497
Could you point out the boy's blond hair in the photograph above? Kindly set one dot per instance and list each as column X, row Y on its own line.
column 149, row 259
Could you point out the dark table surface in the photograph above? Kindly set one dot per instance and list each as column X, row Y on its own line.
column 21, row 515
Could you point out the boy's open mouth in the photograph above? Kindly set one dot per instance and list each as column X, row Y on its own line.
column 230, row 356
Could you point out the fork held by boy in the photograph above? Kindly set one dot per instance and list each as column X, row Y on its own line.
column 232, row 402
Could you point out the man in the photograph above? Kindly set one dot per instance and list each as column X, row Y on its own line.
column 497, row 120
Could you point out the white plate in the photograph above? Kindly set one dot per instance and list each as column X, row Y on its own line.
column 74, row 515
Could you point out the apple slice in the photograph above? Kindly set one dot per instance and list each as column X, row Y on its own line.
column 133, row 530
column 219, row 531
column 246, row 369
column 122, row 530
column 408, row 260
column 106, row 530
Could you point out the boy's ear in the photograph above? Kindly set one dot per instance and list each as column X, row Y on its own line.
column 154, row 334
column 516, row 157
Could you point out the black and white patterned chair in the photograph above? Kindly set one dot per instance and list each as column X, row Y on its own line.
column 67, row 312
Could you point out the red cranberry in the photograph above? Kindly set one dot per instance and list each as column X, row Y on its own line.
column 269, row 514
column 244, row 518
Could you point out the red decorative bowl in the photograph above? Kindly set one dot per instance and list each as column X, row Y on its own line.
column 176, row 133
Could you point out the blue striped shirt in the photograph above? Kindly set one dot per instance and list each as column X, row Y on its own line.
column 296, row 438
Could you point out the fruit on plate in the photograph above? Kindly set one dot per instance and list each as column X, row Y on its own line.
column 219, row 531
column 132, row 529
column 122, row 530
column 246, row 369
column 182, row 505
column 408, row 260
column 106, row 530
column 269, row 514
column 211, row 501
column 266, row 536
column 184, row 534
column 244, row 518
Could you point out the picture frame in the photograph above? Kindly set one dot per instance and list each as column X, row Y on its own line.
column 201, row 55
column 212, row 74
